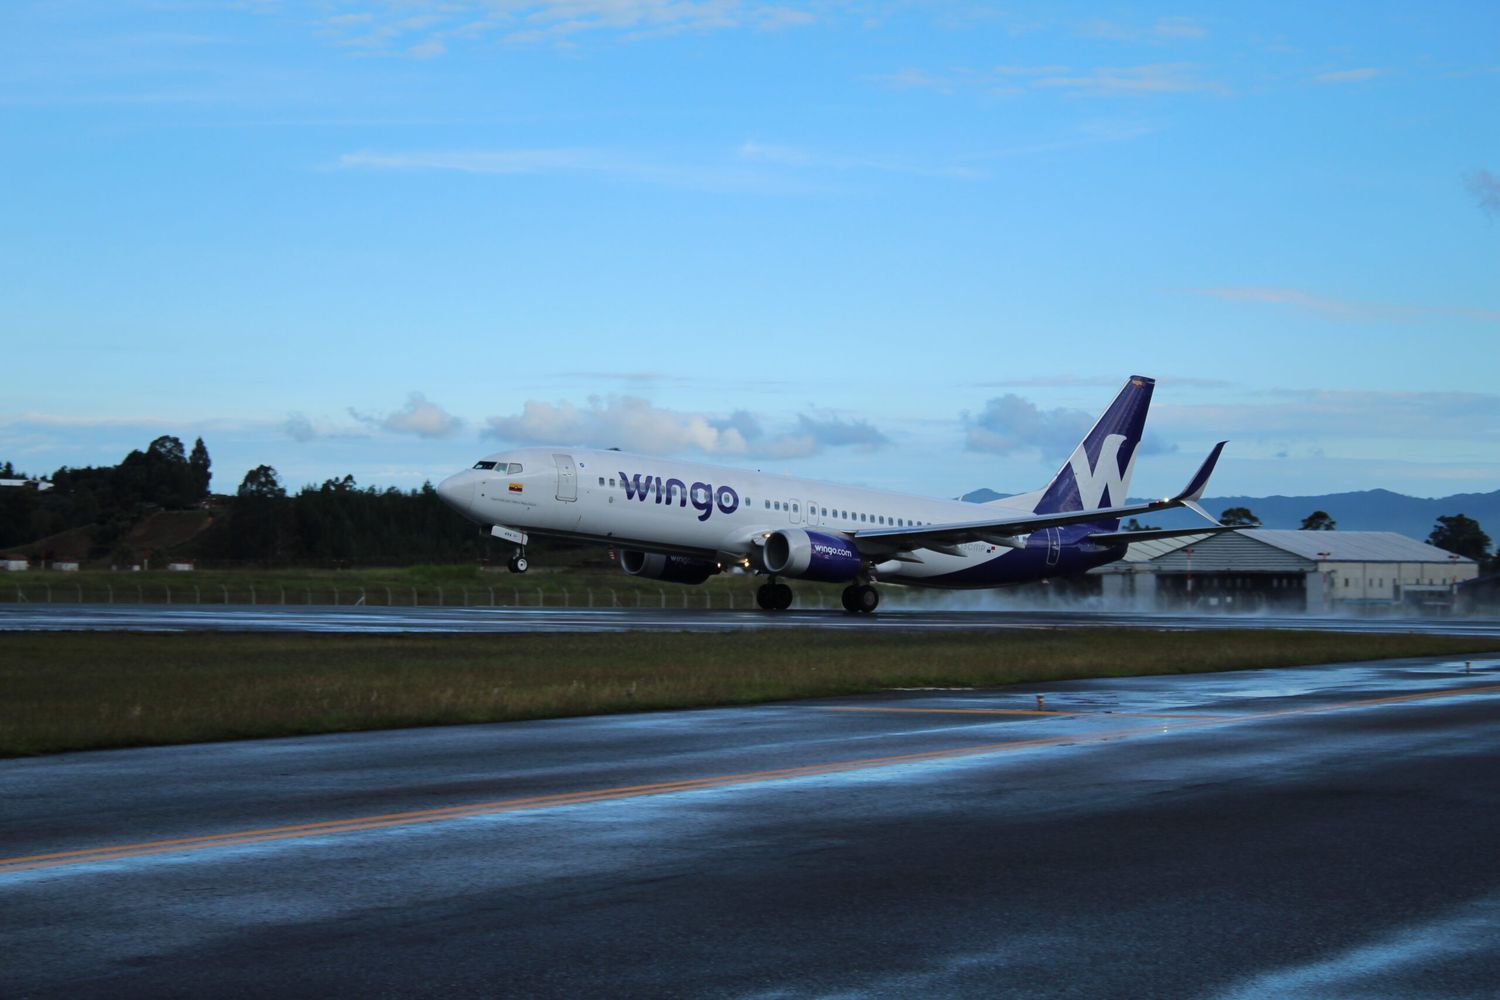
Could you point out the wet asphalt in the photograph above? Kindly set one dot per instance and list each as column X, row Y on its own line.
column 1316, row 832
column 381, row 619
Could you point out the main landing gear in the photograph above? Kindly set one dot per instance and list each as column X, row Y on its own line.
column 773, row 596
column 518, row 563
column 860, row 598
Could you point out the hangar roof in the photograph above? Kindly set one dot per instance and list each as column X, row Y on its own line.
column 1269, row 549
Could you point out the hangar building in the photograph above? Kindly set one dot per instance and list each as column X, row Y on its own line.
column 1261, row 568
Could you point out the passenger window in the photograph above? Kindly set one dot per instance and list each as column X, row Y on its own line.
column 611, row 482
column 777, row 504
column 601, row 480
column 794, row 508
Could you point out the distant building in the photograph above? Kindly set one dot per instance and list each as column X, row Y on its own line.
column 1260, row 568
column 180, row 567
column 36, row 484
column 14, row 564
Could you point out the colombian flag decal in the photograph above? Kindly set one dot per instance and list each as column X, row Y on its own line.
column 516, row 488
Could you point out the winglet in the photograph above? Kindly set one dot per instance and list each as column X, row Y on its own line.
column 1199, row 482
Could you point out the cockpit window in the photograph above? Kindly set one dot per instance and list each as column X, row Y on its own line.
column 484, row 465
column 515, row 469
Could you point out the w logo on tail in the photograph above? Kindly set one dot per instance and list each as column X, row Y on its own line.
column 1085, row 485
column 1106, row 481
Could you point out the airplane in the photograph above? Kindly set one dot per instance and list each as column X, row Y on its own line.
column 683, row 522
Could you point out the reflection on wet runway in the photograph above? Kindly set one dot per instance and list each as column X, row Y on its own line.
column 295, row 618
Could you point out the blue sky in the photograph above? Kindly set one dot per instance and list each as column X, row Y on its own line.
column 911, row 245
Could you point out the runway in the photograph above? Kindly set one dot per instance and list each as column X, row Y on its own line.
column 1323, row 831
column 302, row 618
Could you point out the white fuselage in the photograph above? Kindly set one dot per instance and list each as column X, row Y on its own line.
column 710, row 512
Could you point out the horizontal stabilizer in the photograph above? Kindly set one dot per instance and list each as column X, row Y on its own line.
column 1155, row 534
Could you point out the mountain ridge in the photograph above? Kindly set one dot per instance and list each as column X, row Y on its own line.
column 1357, row 510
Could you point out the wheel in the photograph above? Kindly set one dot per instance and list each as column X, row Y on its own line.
column 518, row 564
column 866, row 599
column 783, row 597
column 763, row 597
column 847, row 597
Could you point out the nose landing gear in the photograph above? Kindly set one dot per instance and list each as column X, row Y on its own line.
column 518, row 563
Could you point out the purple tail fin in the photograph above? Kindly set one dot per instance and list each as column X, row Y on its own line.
column 1097, row 474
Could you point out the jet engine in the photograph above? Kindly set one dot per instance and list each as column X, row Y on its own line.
column 811, row 555
column 660, row 566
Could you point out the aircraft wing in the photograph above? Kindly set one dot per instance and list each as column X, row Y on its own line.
column 1004, row 530
column 1156, row 534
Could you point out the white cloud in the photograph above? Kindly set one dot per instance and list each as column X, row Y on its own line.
column 1118, row 81
column 1096, row 81
column 1349, row 75
column 419, row 417
column 1010, row 424
column 1163, row 29
column 427, row 28
column 1325, row 416
column 1343, row 309
column 637, row 425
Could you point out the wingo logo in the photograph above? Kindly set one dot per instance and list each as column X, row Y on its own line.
column 704, row 498
column 822, row 549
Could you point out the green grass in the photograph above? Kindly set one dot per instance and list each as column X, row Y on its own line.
column 80, row 691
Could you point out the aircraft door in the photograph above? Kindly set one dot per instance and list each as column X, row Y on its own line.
column 1054, row 546
column 812, row 512
column 794, row 511
column 567, row 477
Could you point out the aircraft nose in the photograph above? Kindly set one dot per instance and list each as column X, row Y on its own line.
column 457, row 491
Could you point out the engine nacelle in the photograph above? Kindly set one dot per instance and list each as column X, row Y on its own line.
column 660, row 566
column 811, row 555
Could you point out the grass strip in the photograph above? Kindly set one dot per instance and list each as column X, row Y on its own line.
column 83, row 691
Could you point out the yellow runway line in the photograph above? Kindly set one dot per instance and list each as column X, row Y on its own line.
column 262, row 835
column 1017, row 711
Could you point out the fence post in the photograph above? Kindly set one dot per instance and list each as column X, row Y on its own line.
column 614, row 598
column 335, row 597
column 307, row 595
column 226, row 592
column 466, row 597
column 361, row 596
column 169, row 594
column 731, row 600
column 388, row 597
column 281, row 595
column 591, row 597
column 80, row 593
column 492, row 597
column 111, row 593
column 541, row 599
column 414, row 597
column 515, row 597
column 663, row 594
column 252, row 595
column 197, row 595
column 567, row 601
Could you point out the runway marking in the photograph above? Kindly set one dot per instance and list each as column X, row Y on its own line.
column 1019, row 711
column 122, row 852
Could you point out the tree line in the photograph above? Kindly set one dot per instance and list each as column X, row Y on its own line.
column 262, row 522
column 338, row 521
